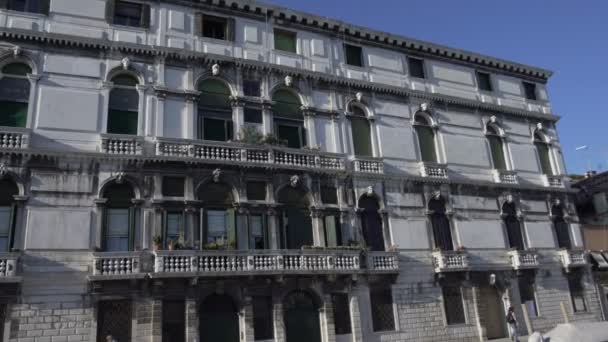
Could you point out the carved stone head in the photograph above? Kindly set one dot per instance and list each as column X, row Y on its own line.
column 17, row 51
column 509, row 198
column 539, row 125
column 369, row 191
column 288, row 81
column 126, row 63
column 424, row 107
column 215, row 69
column 120, row 178
column 493, row 119
column 294, row 181
column 436, row 194
column 216, row 175
column 359, row 96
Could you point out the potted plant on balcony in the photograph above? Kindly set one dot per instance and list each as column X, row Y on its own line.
column 157, row 241
column 461, row 249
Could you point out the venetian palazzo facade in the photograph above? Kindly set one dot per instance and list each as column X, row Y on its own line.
column 179, row 170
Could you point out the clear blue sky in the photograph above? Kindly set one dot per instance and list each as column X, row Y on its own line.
column 568, row 37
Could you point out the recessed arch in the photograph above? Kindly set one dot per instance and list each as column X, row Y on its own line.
column 512, row 225
column 130, row 71
column 301, row 316
column 216, row 193
column 219, row 319
column 543, row 151
column 23, row 57
column 295, row 216
column 287, row 104
column 561, row 226
column 494, row 136
column 440, row 223
column 214, row 112
column 123, row 105
column 15, row 89
column 371, row 222
column 119, row 179
column 361, row 129
column 215, row 93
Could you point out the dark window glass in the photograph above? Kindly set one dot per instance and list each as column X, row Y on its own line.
column 123, row 106
column 484, row 82
column 257, row 232
column 371, row 223
column 128, row 13
column 526, row 293
column 251, row 87
column 173, row 186
column 214, row 27
column 426, row 140
column 498, row 155
column 329, row 195
column 362, row 142
column 354, row 55
column 543, row 155
column 293, row 134
column 174, row 227
column 285, row 41
column 256, row 191
column 441, row 225
column 262, row 318
column 577, row 293
column 14, row 95
column 214, row 94
column 220, row 227
column 452, row 302
column 333, row 231
column 114, row 318
column 561, row 228
column 253, row 115
column 119, row 218
column 217, row 129
column 30, row 6
column 513, row 227
column 530, row 90
column 416, row 67
column 8, row 190
column 174, row 323
column 341, row 313
column 16, row 69
column 218, row 319
column 286, row 105
column 383, row 318
column 3, row 311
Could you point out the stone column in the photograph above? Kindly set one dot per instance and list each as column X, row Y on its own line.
column 362, row 317
column 385, row 229
column 374, row 136
column 279, row 323
column 191, row 124
column 328, row 329
column 309, row 124
column 247, row 320
column 190, row 234
column 318, row 235
column 242, row 231
column 33, row 96
column 141, row 117
column 148, row 320
column 273, row 228
column 100, row 206
column 355, row 316
column 192, row 330
column 238, row 117
column 268, row 123
column 19, row 225
column 160, row 113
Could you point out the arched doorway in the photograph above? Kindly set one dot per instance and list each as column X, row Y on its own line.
column 301, row 317
column 296, row 223
column 219, row 320
column 371, row 223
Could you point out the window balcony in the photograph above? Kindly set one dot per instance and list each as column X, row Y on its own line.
column 505, row 176
column 521, row 260
column 263, row 155
column 433, row 170
column 120, row 144
column 8, row 268
column 368, row 165
column 14, row 138
column 553, row 181
column 117, row 265
column 573, row 258
column 450, row 261
column 382, row 262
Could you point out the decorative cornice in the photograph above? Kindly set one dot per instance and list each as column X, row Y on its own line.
column 182, row 55
column 288, row 17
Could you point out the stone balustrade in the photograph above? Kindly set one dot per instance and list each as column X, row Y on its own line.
column 572, row 259
column 382, row 261
column 8, row 266
column 523, row 259
column 505, row 176
column 117, row 265
column 450, row 261
column 553, row 181
column 120, row 144
column 433, row 170
column 368, row 165
column 14, row 137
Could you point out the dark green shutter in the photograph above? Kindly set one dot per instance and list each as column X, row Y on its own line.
column 498, row 156
column 286, row 105
column 361, row 132
column 110, row 5
column 543, row 156
column 13, row 114
column 44, row 6
column 198, row 24
column 230, row 29
column 4, row 4
column 122, row 122
column 145, row 16
column 285, row 41
column 426, row 140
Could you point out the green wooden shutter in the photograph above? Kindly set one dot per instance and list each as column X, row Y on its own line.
column 230, row 29
column 145, row 16
column 44, row 6
column 13, row 114
column 361, row 131
column 122, row 122
column 543, row 156
column 426, row 140
column 110, row 6
column 198, row 24
column 4, row 4
column 498, row 156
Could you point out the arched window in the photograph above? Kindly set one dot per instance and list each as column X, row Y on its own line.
column 562, row 228
column 8, row 211
column 542, row 149
column 14, row 94
column 218, row 228
column 496, row 148
column 124, row 105
column 442, row 232
column 361, row 132
column 371, row 223
column 426, row 138
column 119, row 218
column 301, row 317
column 214, row 111
column 511, row 221
column 288, row 118
column 219, row 319
column 296, row 223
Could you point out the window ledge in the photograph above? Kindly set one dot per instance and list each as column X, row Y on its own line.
column 130, row 28
column 31, row 15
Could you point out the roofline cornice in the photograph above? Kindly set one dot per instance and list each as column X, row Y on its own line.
column 286, row 16
column 179, row 54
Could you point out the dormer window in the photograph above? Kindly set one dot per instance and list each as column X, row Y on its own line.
column 484, row 81
column 354, row 55
column 530, row 90
column 416, row 67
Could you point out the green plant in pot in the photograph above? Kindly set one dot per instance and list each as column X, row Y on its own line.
column 157, row 242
